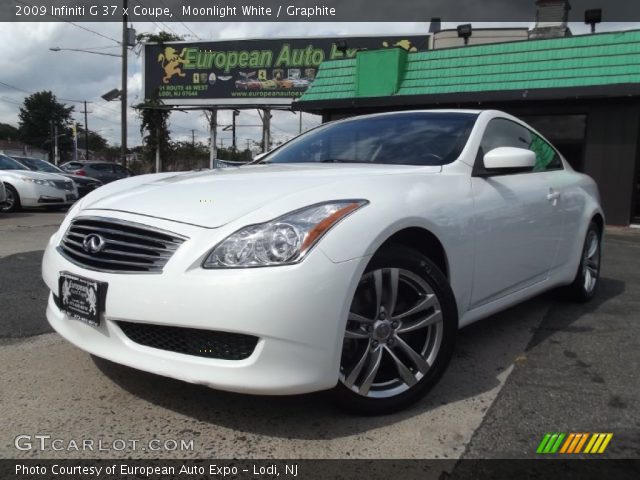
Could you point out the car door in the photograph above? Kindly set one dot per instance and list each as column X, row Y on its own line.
column 102, row 171
column 121, row 172
column 518, row 218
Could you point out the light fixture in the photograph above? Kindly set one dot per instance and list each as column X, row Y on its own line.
column 341, row 46
column 593, row 17
column 112, row 95
column 465, row 31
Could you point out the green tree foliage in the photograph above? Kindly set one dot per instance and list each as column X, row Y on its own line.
column 40, row 113
column 8, row 132
column 153, row 115
column 97, row 143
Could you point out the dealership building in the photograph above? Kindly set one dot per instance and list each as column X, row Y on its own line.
column 582, row 92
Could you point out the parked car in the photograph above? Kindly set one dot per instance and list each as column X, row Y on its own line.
column 347, row 259
column 83, row 184
column 104, row 171
column 3, row 194
column 34, row 189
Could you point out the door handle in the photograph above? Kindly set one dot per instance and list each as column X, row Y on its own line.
column 552, row 196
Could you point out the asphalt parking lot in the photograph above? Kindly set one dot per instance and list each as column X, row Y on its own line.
column 543, row 366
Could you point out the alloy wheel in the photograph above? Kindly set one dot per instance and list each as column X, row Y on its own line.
column 393, row 335
column 9, row 201
column 591, row 261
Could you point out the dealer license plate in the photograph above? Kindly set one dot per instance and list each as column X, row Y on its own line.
column 82, row 298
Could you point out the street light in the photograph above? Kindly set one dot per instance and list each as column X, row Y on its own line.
column 128, row 36
column 58, row 49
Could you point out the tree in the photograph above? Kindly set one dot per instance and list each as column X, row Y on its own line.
column 8, row 132
column 97, row 142
column 40, row 114
column 153, row 115
column 154, row 129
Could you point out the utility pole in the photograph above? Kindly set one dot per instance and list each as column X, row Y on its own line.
column 123, row 97
column 56, row 154
column 266, row 129
column 158, row 165
column 213, row 132
column 193, row 138
column 233, row 128
column 52, row 156
column 86, row 133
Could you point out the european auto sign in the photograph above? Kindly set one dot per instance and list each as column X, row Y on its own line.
column 249, row 72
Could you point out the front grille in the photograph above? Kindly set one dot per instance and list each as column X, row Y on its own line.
column 63, row 185
column 191, row 341
column 126, row 247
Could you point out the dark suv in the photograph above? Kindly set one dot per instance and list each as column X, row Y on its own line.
column 104, row 171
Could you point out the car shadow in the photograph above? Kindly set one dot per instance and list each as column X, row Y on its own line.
column 563, row 313
column 32, row 213
column 484, row 354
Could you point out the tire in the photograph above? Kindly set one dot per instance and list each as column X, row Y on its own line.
column 395, row 351
column 13, row 200
column 586, row 281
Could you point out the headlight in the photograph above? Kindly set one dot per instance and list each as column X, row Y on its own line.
column 282, row 241
column 38, row 181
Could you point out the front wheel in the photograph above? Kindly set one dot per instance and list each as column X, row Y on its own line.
column 400, row 333
column 12, row 203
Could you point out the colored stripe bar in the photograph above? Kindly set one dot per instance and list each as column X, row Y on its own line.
column 596, row 445
column 574, row 443
column 543, row 443
column 550, row 443
column 555, row 448
column 567, row 442
column 606, row 441
column 581, row 443
column 591, row 442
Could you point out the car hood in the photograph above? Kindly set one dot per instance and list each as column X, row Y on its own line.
column 213, row 198
column 31, row 174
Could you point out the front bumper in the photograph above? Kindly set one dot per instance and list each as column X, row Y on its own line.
column 298, row 312
column 32, row 195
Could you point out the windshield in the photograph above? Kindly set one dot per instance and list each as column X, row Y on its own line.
column 38, row 165
column 7, row 163
column 404, row 138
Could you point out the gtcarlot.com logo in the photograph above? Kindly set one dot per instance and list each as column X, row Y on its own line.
column 45, row 442
column 573, row 443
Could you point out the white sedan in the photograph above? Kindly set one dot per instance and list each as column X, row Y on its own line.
column 3, row 194
column 346, row 260
column 25, row 188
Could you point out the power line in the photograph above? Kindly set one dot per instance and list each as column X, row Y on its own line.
column 15, row 88
column 91, row 31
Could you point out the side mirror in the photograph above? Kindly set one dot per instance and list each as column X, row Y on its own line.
column 508, row 159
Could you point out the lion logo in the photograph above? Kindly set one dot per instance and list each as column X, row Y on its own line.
column 66, row 292
column 171, row 60
column 92, row 299
column 405, row 44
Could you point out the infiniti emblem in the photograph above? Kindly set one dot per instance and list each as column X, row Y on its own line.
column 93, row 243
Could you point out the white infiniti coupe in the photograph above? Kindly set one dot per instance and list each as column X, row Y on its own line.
column 347, row 259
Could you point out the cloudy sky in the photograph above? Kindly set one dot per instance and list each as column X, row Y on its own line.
column 30, row 66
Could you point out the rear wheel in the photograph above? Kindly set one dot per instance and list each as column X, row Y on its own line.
column 12, row 203
column 400, row 333
column 587, row 278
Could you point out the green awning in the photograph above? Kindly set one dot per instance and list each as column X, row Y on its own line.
column 603, row 59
